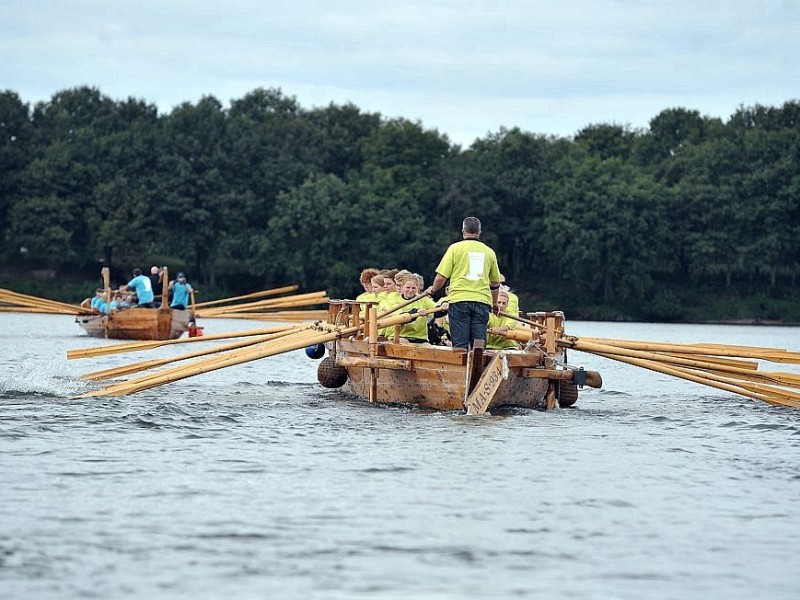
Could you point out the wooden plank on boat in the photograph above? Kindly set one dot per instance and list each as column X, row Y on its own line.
column 592, row 378
column 484, row 392
column 547, row 374
column 527, row 359
column 417, row 352
column 374, row 363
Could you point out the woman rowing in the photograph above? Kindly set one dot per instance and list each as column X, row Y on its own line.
column 498, row 326
column 416, row 331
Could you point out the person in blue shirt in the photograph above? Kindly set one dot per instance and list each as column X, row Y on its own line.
column 98, row 298
column 142, row 287
column 181, row 290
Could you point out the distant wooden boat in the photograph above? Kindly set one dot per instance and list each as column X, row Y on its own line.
column 138, row 324
column 438, row 377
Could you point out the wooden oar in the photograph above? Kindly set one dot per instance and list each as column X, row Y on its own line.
column 770, row 388
column 715, row 375
column 769, row 377
column 13, row 297
column 264, row 309
column 771, row 398
column 299, row 339
column 261, row 294
column 403, row 305
column 769, row 354
column 594, row 348
column 160, row 362
column 281, row 315
column 521, row 320
column 38, row 311
column 39, row 305
column 731, row 362
column 310, row 298
column 308, row 336
column 138, row 346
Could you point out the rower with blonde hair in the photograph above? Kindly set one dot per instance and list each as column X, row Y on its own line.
column 498, row 326
column 416, row 331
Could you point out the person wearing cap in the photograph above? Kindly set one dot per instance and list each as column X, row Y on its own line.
column 181, row 292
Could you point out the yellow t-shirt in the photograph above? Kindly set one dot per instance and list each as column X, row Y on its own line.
column 367, row 297
column 389, row 301
column 418, row 328
column 499, row 342
column 469, row 265
column 513, row 304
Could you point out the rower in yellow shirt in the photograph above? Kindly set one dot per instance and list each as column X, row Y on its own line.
column 499, row 325
column 416, row 331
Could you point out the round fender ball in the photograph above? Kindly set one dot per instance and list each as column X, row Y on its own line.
column 567, row 394
column 315, row 352
column 331, row 375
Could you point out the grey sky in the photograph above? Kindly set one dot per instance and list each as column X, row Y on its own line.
column 464, row 68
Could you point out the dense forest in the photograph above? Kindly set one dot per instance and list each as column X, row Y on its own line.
column 693, row 218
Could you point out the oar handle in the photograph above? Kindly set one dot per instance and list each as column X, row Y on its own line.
column 404, row 304
column 520, row 319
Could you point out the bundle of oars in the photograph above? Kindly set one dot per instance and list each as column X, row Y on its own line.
column 258, row 343
column 726, row 367
column 730, row 368
column 11, row 301
column 265, row 310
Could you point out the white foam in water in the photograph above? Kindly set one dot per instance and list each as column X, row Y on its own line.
column 43, row 378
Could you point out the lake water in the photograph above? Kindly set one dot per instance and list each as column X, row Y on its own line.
column 255, row 482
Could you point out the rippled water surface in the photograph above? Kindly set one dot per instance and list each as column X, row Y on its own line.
column 254, row 482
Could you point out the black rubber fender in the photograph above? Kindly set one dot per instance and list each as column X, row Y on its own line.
column 331, row 375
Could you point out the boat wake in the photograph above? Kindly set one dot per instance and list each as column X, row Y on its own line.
column 47, row 379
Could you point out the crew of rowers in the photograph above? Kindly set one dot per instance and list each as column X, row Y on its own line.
column 142, row 292
column 390, row 288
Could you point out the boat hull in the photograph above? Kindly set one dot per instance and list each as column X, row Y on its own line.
column 137, row 324
column 433, row 377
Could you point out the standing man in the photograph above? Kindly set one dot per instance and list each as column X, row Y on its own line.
column 143, row 288
column 156, row 284
column 474, row 277
column 181, row 292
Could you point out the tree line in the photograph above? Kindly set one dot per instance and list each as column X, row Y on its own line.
column 611, row 222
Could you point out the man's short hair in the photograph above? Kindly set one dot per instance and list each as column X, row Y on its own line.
column 137, row 272
column 471, row 225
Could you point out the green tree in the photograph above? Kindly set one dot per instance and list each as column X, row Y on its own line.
column 189, row 201
column 16, row 150
column 338, row 134
column 604, row 224
column 502, row 180
column 606, row 141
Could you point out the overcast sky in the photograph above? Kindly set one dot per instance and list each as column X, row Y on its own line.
column 464, row 68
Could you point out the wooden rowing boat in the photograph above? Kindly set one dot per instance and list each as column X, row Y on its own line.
column 438, row 377
column 138, row 324
column 536, row 375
